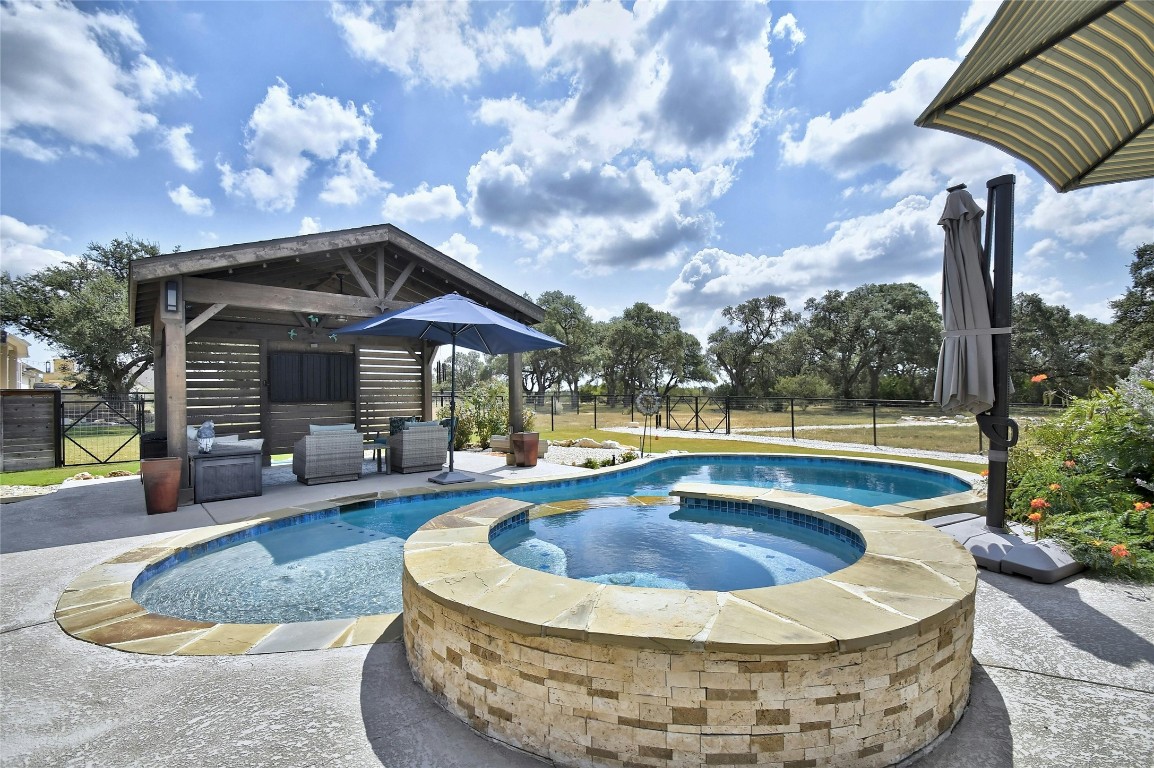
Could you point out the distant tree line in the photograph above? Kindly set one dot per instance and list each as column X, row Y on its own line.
column 876, row 341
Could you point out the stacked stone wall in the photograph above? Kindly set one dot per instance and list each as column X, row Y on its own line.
column 584, row 703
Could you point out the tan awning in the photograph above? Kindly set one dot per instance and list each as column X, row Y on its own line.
column 1067, row 86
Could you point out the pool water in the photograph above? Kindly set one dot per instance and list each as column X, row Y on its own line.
column 664, row 546
column 350, row 564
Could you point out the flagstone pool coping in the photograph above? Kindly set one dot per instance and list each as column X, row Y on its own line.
column 98, row 607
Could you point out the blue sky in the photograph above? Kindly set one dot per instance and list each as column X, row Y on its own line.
column 691, row 154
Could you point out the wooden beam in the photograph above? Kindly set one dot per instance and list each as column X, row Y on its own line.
column 523, row 310
column 202, row 318
column 198, row 289
column 400, row 281
column 380, row 271
column 212, row 259
column 356, row 272
column 228, row 330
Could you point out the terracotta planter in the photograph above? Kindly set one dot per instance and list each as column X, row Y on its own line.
column 161, row 478
column 525, row 448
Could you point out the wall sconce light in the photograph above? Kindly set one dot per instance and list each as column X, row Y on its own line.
column 171, row 296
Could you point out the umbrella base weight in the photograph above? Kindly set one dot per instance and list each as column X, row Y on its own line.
column 451, row 477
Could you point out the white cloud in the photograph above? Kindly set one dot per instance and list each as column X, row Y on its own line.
column 974, row 22
column 72, row 81
column 309, row 226
column 284, row 135
column 786, row 28
column 664, row 100
column 421, row 42
column 21, row 247
column 352, row 182
column 900, row 244
column 459, row 248
column 188, row 201
column 177, row 143
column 1121, row 211
column 423, row 204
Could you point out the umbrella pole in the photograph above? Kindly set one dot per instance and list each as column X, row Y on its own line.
column 999, row 428
column 452, row 476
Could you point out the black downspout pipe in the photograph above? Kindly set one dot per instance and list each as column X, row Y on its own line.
column 996, row 424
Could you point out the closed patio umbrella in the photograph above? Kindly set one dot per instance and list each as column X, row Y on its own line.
column 459, row 321
column 965, row 379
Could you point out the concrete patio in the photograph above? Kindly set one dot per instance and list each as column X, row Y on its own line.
column 1064, row 673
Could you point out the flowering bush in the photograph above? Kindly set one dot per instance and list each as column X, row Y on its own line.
column 1090, row 474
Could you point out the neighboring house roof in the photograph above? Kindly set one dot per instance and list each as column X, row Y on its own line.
column 351, row 273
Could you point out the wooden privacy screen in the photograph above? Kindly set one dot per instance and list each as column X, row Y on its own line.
column 28, row 433
column 226, row 384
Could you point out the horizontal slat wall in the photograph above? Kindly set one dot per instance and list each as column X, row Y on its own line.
column 27, row 429
column 390, row 385
column 289, row 422
column 224, row 385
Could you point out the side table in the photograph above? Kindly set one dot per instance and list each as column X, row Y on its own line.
column 380, row 449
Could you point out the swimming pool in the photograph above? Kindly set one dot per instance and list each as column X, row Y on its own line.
column 347, row 562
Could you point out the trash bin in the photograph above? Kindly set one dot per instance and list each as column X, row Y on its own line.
column 153, row 445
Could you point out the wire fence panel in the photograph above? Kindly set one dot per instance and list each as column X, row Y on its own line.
column 105, row 429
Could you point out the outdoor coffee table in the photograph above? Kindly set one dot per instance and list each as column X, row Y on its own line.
column 225, row 472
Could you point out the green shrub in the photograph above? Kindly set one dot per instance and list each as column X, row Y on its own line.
column 1089, row 473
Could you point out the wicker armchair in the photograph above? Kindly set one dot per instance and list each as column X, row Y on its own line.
column 419, row 448
column 328, row 457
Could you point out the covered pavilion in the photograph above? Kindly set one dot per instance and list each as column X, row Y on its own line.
column 242, row 334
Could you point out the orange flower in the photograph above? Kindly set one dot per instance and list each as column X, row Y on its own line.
column 985, row 473
column 1141, row 506
column 1069, row 463
column 1055, row 486
column 1039, row 504
column 1119, row 551
column 1039, row 378
column 1035, row 517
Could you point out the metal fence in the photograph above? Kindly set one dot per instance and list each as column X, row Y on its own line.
column 103, row 429
column 881, row 423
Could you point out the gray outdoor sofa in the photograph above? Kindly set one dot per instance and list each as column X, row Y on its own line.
column 329, row 454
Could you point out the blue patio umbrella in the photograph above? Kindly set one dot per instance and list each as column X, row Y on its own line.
column 459, row 321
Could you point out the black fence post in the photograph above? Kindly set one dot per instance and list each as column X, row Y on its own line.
column 792, row 427
column 594, row 411
column 552, row 413
column 727, row 414
column 875, row 409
